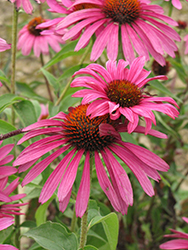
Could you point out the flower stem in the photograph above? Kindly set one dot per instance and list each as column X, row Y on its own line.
column 69, row 82
column 10, row 134
column 73, row 222
column 46, row 81
column 13, row 56
column 13, row 90
column 83, row 236
column 170, row 9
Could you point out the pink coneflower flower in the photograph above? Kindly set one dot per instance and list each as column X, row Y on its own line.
column 135, row 20
column 30, row 37
column 4, row 159
column 77, row 135
column 118, row 91
column 61, row 7
column 181, row 243
column 176, row 3
column 27, row 6
column 186, row 44
column 4, row 45
column 9, row 204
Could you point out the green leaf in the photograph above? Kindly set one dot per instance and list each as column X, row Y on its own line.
column 69, row 72
column 3, row 77
column 36, row 246
column 40, row 214
column 28, row 92
column 165, row 125
column 89, row 248
column 53, row 236
column 5, row 128
column 26, row 112
column 7, row 100
column 110, row 225
column 179, row 68
column 159, row 86
column 67, row 50
column 51, row 79
column 4, row 234
column 28, row 223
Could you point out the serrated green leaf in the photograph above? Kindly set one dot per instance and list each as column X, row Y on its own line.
column 40, row 214
column 8, row 99
column 26, row 112
column 53, row 236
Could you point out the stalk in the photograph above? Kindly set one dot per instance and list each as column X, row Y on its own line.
column 69, row 82
column 13, row 90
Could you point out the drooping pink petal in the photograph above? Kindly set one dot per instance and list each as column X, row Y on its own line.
column 84, row 189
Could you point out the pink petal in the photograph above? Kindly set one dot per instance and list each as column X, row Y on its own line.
column 84, row 189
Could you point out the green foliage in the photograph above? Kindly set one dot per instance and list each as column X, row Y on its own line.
column 53, row 236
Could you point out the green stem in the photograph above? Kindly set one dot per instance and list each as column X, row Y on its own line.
column 73, row 222
column 69, row 82
column 13, row 56
column 170, row 9
column 13, row 90
column 46, row 81
column 83, row 236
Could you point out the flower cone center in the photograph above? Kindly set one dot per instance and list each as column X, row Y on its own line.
column 83, row 132
column 32, row 26
column 124, row 93
column 160, row 70
column 122, row 11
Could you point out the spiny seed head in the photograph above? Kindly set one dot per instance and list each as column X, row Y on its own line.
column 124, row 93
column 160, row 70
column 83, row 132
column 122, row 11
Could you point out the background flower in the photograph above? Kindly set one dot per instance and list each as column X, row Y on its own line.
column 118, row 91
column 176, row 3
column 4, row 45
column 181, row 243
column 8, row 206
column 31, row 37
column 27, row 6
column 98, row 137
column 4, row 159
column 134, row 19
